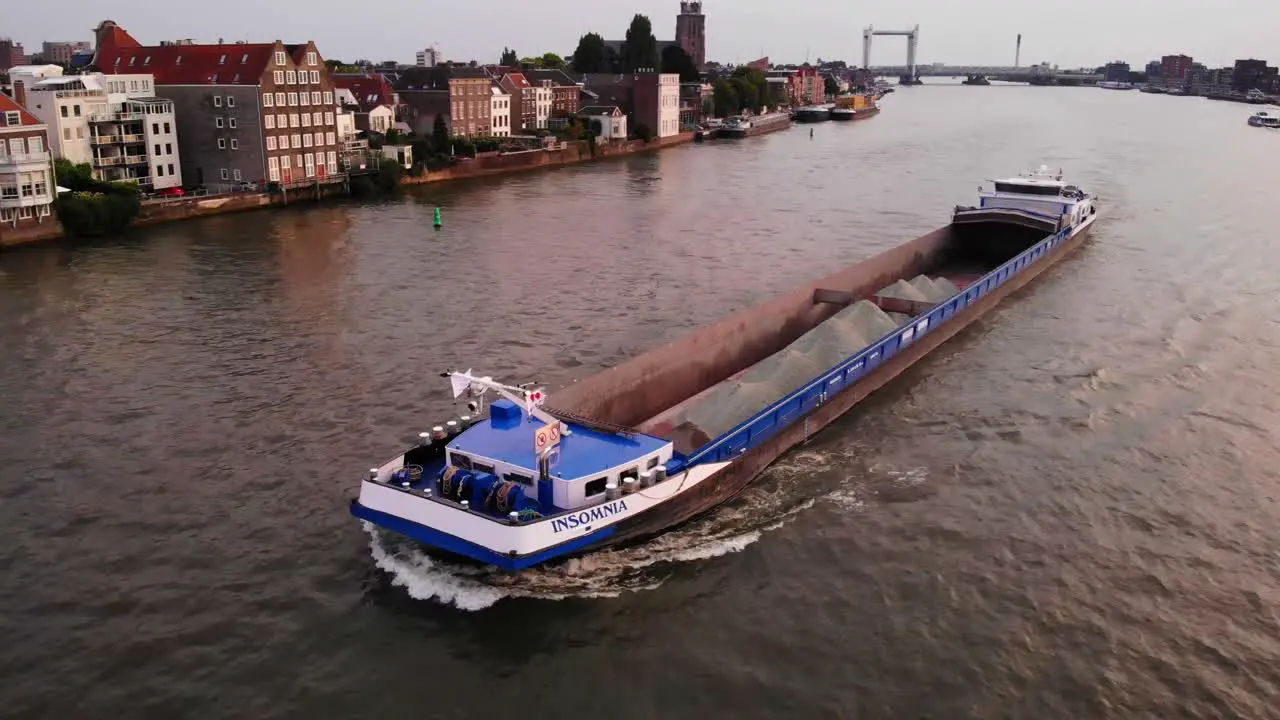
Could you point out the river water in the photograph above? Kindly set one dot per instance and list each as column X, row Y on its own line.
column 1068, row 511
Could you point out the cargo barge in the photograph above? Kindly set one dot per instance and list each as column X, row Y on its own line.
column 633, row 450
column 740, row 126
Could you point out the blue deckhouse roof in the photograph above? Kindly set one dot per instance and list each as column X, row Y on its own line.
column 507, row 436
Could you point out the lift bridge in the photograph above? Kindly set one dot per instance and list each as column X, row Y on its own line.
column 908, row 76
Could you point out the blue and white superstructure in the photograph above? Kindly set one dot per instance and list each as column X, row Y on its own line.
column 633, row 450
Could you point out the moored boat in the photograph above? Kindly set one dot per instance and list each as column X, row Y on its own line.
column 815, row 113
column 740, row 126
column 1115, row 85
column 976, row 80
column 842, row 114
column 630, row 451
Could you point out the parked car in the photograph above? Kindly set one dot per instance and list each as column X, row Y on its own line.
column 170, row 192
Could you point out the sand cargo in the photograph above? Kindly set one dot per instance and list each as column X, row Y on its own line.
column 640, row 447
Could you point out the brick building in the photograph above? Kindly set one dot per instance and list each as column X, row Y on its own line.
column 460, row 94
column 565, row 95
column 247, row 112
column 11, row 54
column 691, row 32
column 61, row 53
column 26, row 170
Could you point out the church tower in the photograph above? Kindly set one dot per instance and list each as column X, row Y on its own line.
column 691, row 32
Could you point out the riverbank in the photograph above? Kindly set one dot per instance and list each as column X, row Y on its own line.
column 483, row 165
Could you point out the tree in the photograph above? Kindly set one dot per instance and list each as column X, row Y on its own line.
column 597, row 127
column 440, row 134
column 676, row 60
column 724, row 98
column 641, row 49
column 591, row 55
column 552, row 61
column 829, row 84
column 752, row 88
column 509, row 57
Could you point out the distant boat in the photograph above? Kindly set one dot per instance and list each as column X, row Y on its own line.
column 817, row 113
column 1264, row 119
column 976, row 80
column 1115, row 85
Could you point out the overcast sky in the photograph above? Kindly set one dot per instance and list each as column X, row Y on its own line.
column 1073, row 33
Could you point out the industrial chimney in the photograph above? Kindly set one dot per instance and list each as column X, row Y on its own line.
column 1017, row 54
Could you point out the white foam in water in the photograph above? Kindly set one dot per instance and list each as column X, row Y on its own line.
column 605, row 573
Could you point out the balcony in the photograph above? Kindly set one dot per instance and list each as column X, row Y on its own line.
column 118, row 117
column 23, row 161
column 8, row 202
column 106, row 139
column 113, row 161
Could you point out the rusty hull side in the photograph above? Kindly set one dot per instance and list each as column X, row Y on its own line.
column 736, row 476
column 640, row 388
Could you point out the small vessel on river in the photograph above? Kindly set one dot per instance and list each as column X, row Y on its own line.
column 1264, row 119
column 855, row 106
column 976, row 80
column 814, row 113
column 628, row 452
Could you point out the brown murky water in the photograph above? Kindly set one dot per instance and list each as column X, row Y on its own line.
column 1069, row 511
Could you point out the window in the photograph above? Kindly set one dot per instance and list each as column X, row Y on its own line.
column 311, row 59
column 8, row 192
column 293, row 99
column 328, row 98
column 282, row 121
column 271, row 142
column 222, row 59
column 595, row 487
column 171, row 169
column 311, row 165
column 166, row 128
column 315, row 98
column 7, row 215
column 273, row 169
column 315, row 77
column 235, row 144
column 24, row 213
column 157, row 149
column 329, row 139
column 269, row 122
column 328, row 118
column 280, row 99
column 168, row 148
column 291, row 78
column 222, row 144
column 653, row 463
column 1028, row 189
column 79, row 133
column 35, row 145
column 284, row 162
column 231, row 123
column 176, row 61
column 231, row 102
column 278, row 76
column 41, row 188
column 297, row 143
column 159, row 171
column 293, row 120
column 284, row 142
column 217, row 101
column 279, row 58
column 244, row 58
column 235, row 174
column 304, row 99
column 217, row 122
column 223, row 173
column 28, row 190
column 297, row 161
column 306, row 140
column 333, row 161
column 66, row 132
column 319, row 139
column 517, row 477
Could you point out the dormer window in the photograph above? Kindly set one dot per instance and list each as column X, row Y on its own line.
column 146, row 60
column 133, row 60
column 222, row 59
column 279, row 58
column 311, row 58
column 244, row 59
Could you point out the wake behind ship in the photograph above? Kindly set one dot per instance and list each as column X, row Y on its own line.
column 646, row 445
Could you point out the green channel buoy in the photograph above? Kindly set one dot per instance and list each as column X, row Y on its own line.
column 438, row 222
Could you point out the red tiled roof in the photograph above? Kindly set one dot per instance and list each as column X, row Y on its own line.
column 370, row 90
column 8, row 104
column 519, row 79
column 191, row 64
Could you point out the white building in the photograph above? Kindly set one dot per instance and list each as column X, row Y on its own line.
column 64, row 104
column 668, row 105
column 115, row 124
column 499, row 112
column 612, row 121
column 345, row 114
column 429, row 57
column 26, row 170
column 542, row 96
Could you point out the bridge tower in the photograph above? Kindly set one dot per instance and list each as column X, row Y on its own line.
column 913, row 44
